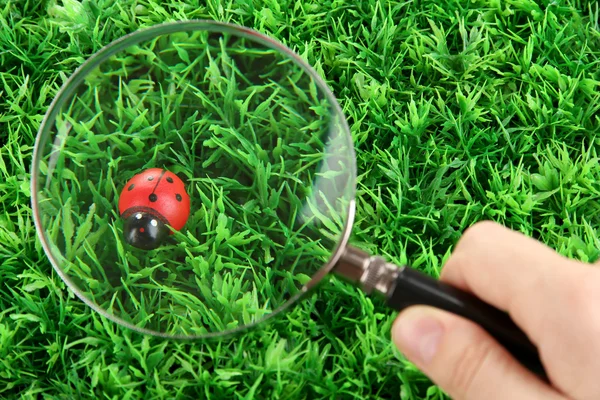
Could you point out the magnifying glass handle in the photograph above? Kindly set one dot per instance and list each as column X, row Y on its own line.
column 404, row 287
column 412, row 287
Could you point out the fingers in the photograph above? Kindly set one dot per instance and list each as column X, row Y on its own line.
column 556, row 301
column 463, row 359
column 512, row 272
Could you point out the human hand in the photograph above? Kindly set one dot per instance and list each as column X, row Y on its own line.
column 554, row 300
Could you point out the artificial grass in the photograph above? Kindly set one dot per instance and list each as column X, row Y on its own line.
column 459, row 112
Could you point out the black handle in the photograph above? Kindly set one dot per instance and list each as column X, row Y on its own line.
column 415, row 288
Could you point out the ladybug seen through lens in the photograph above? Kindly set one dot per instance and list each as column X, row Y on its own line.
column 149, row 202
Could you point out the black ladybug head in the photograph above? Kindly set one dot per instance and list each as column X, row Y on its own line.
column 144, row 230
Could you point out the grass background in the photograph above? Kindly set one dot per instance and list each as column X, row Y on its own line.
column 460, row 112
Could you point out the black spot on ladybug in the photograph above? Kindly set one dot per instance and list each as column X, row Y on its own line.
column 150, row 178
column 169, row 179
column 153, row 197
column 130, row 188
column 178, row 197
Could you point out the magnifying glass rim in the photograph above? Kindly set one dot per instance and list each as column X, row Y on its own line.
column 145, row 34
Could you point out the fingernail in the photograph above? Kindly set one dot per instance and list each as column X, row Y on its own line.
column 417, row 336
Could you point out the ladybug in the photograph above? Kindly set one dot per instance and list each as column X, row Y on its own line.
column 149, row 202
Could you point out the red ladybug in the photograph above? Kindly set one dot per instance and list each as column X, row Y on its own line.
column 149, row 202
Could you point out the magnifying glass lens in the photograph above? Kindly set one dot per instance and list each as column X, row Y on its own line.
column 191, row 182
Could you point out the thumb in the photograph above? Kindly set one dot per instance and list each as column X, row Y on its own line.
column 463, row 359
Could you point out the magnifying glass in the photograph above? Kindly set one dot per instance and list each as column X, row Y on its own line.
column 196, row 178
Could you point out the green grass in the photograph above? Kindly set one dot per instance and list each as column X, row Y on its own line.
column 459, row 112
